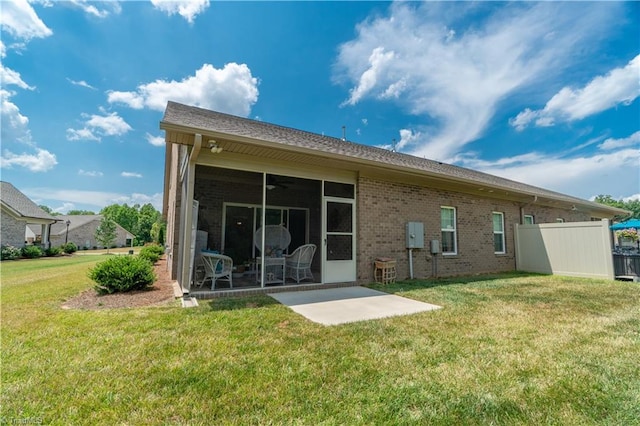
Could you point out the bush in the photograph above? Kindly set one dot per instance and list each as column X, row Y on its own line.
column 122, row 274
column 52, row 251
column 149, row 254
column 9, row 252
column 31, row 252
column 69, row 248
column 154, row 248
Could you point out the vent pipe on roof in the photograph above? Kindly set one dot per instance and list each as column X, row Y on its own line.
column 344, row 133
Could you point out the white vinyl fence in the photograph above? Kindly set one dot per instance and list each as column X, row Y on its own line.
column 577, row 249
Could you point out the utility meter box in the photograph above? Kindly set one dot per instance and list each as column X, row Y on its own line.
column 415, row 235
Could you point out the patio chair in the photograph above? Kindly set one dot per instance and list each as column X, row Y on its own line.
column 298, row 263
column 216, row 267
column 277, row 239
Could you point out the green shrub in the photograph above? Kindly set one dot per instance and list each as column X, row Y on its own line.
column 52, row 251
column 122, row 274
column 154, row 248
column 149, row 254
column 31, row 252
column 69, row 248
column 8, row 252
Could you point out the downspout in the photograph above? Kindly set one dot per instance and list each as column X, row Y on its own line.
column 185, row 282
column 535, row 200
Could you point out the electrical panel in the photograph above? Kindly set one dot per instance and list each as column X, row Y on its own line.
column 415, row 235
column 435, row 246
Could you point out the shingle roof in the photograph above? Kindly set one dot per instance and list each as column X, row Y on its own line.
column 20, row 203
column 212, row 121
column 77, row 221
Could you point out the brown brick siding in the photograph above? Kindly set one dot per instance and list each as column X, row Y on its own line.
column 384, row 208
column 12, row 230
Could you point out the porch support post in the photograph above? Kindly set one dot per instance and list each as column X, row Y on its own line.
column 187, row 204
column 263, row 221
column 45, row 231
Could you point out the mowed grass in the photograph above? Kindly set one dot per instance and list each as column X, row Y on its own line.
column 508, row 349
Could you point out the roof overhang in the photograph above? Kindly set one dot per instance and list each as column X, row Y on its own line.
column 258, row 148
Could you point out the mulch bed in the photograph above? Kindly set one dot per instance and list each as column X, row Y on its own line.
column 160, row 294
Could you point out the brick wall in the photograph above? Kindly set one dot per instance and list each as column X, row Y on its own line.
column 84, row 236
column 384, row 208
column 12, row 230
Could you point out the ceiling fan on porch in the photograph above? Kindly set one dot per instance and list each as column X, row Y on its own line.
column 274, row 182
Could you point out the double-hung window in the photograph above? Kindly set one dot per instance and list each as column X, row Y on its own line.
column 448, row 230
column 498, row 233
column 528, row 219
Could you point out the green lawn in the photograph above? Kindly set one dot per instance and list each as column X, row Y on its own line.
column 508, row 350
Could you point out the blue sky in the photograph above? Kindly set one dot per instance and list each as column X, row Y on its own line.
column 543, row 93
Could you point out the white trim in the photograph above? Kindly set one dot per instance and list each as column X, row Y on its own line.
column 502, row 233
column 454, row 231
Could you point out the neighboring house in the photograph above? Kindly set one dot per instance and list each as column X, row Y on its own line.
column 82, row 230
column 18, row 211
column 352, row 201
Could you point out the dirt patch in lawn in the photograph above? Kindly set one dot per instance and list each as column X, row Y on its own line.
column 160, row 294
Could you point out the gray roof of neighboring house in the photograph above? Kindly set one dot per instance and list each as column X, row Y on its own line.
column 205, row 120
column 20, row 203
column 77, row 221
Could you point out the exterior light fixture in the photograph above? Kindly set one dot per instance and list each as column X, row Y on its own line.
column 66, row 236
column 213, row 146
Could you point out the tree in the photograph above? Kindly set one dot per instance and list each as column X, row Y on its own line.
column 48, row 210
column 147, row 216
column 632, row 205
column 123, row 215
column 106, row 232
column 80, row 212
column 157, row 232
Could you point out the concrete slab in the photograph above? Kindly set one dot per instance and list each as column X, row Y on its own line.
column 349, row 304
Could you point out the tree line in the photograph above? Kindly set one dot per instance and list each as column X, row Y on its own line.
column 632, row 205
column 145, row 222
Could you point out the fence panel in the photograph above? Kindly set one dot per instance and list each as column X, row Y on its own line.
column 578, row 249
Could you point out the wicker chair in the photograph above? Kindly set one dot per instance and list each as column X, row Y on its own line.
column 276, row 238
column 298, row 263
column 216, row 267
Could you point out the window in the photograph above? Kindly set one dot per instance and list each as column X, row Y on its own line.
column 498, row 233
column 528, row 219
column 448, row 228
column 560, row 220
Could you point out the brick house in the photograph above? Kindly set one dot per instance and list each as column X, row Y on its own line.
column 17, row 211
column 82, row 230
column 226, row 176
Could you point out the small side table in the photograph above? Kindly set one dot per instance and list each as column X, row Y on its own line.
column 273, row 269
column 384, row 270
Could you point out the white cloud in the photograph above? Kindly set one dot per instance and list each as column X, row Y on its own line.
column 130, row 174
column 91, row 199
column 64, row 208
column 14, row 125
column 188, row 9
column 90, row 173
column 81, row 83
column 155, row 140
column 97, row 126
column 421, row 58
column 620, row 86
column 611, row 143
column 42, row 161
column 20, row 20
column 99, row 9
column 11, row 77
column 582, row 176
column 231, row 89
column 378, row 61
